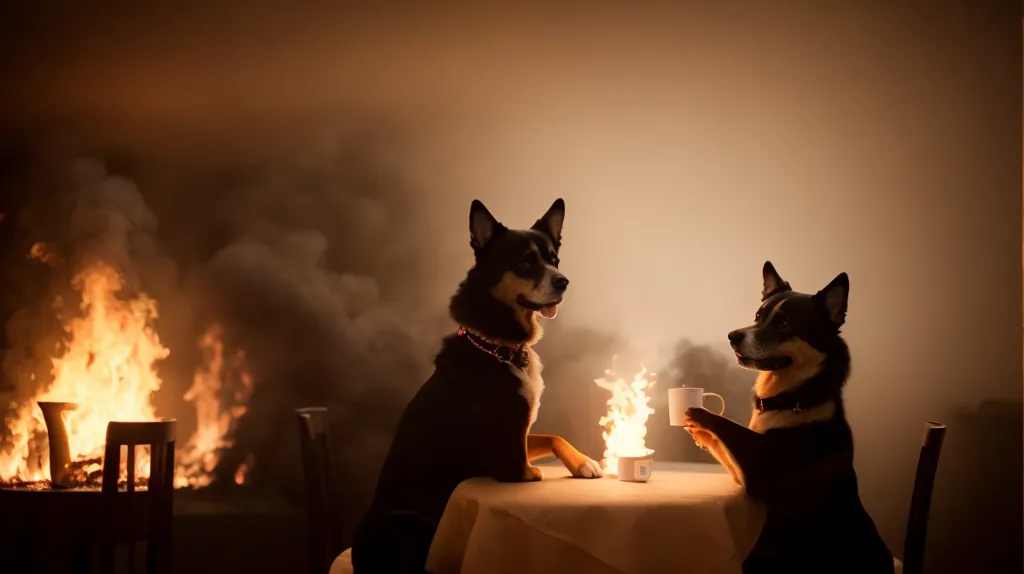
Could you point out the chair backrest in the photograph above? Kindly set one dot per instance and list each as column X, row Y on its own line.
column 921, row 500
column 320, row 500
column 122, row 509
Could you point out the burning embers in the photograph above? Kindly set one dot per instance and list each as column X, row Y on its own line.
column 107, row 369
column 625, row 425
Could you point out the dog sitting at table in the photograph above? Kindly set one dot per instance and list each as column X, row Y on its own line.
column 797, row 454
column 473, row 416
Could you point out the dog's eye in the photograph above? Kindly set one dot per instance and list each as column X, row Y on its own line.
column 781, row 322
column 524, row 264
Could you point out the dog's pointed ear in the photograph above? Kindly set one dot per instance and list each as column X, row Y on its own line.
column 482, row 226
column 773, row 283
column 551, row 222
column 833, row 299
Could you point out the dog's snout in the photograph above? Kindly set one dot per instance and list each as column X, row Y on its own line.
column 560, row 282
column 736, row 337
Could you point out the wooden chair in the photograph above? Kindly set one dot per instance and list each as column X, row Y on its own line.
column 921, row 500
column 133, row 516
column 319, row 489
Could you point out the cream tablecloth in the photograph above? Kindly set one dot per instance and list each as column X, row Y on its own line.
column 689, row 518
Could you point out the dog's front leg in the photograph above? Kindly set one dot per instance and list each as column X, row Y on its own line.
column 732, row 444
column 517, row 471
column 510, row 461
column 707, row 441
column 539, row 446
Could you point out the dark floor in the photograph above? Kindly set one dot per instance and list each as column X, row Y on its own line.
column 251, row 536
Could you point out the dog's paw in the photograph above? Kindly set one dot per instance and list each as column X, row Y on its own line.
column 699, row 417
column 533, row 474
column 589, row 469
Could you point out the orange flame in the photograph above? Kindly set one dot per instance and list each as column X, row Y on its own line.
column 625, row 425
column 108, row 368
column 44, row 253
column 243, row 469
column 215, row 421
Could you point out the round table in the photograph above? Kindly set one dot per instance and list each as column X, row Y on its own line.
column 688, row 518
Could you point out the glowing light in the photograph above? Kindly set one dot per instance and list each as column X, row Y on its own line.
column 625, row 424
column 107, row 366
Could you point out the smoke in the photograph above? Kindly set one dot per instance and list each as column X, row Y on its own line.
column 313, row 263
column 320, row 281
column 80, row 216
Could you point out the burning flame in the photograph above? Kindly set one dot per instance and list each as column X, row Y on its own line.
column 45, row 253
column 243, row 469
column 108, row 368
column 625, row 425
column 216, row 421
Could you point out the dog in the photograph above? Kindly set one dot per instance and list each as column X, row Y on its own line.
column 472, row 418
column 796, row 454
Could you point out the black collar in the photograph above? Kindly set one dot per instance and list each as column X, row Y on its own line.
column 797, row 400
column 516, row 356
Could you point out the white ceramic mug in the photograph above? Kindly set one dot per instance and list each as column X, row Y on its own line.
column 636, row 468
column 682, row 398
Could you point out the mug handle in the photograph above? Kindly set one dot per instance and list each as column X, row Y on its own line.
column 720, row 399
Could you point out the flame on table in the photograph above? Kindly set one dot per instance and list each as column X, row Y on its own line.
column 625, row 425
column 107, row 366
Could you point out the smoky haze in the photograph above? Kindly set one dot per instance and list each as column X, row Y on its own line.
column 309, row 174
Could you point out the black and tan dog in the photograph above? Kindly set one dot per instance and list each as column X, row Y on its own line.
column 797, row 454
column 473, row 416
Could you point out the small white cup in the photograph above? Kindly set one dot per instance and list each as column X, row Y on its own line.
column 682, row 398
column 636, row 468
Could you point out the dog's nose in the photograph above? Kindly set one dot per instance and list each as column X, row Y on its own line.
column 560, row 282
column 736, row 337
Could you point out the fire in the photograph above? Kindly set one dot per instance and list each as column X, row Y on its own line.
column 625, row 425
column 45, row 253
column 243, row 469
column 107, row 366
column 216, row 421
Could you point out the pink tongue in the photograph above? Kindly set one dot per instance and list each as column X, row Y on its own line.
column 549, row 312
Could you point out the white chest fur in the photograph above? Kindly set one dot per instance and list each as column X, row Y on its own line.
column 531, row 384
